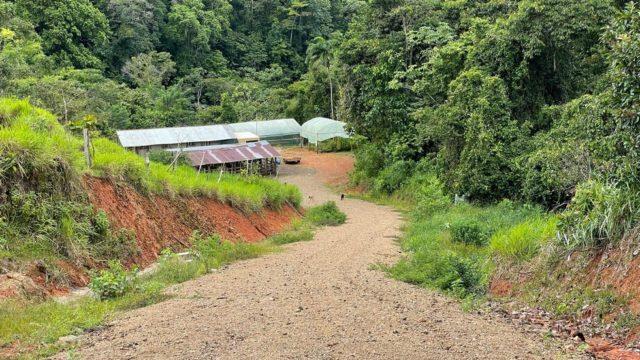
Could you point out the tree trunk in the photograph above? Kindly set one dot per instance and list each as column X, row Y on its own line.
column 331, row 95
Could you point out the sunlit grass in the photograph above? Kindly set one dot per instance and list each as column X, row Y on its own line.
column 33, row 142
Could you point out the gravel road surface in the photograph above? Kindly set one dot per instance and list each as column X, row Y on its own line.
column 320, row 300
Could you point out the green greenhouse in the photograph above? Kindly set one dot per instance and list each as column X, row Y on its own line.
column 277, row 132
column 320, row 129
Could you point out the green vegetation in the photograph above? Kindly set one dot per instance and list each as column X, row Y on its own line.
column 326, row 214
column 112, row 282
column 448, row 248
column 523, row 241
column 299, row 231
column 41, row 324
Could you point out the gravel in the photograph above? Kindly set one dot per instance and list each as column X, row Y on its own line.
column 320, row 299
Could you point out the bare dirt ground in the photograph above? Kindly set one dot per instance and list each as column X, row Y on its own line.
column 320, row 300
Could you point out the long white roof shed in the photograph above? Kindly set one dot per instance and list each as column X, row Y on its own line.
column 269, row 128
column 175, row 135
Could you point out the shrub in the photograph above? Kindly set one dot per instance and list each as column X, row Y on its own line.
column 392, row 177
column 336, row 144
column 326, row 214
column 469, row 232
column 112, row 282
column 370, row 159
column 523, row 241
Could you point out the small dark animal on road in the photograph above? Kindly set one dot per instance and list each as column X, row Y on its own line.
column 341, row 196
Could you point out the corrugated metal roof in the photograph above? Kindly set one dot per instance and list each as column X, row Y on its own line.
column 232, row 153
column 174, row 135
column 267, row 128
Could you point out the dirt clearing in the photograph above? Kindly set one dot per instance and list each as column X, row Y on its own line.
column 319, row 300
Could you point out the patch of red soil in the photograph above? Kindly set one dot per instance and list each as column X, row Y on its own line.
column 333, row 168
column 603, row 349
column 160, row 222
column 500, row 288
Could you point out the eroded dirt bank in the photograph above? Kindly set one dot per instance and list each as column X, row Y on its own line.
column 155, row 222
column 318, row 299
column 160, row 222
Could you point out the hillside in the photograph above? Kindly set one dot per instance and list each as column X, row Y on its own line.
column 61, row 218
column 506, row 130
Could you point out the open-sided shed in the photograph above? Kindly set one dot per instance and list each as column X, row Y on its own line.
column 258, row 157
column 320, row 129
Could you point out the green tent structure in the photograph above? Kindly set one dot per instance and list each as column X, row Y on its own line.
column 320, row 129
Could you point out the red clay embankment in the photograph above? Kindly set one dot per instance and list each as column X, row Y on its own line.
column 160, row 222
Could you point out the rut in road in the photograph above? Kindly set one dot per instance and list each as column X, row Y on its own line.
column 317, row 299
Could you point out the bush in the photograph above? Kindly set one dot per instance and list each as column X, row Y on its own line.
column 392, row 177
column 469, row 232
column 523, row 241
column 112, row 282
column 336, row 145
column 326, row 214
column 370, row 160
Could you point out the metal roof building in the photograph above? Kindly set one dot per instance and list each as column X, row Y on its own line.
column 320, row 129
column 259, row 156
column 162, row 138
column 279, row 131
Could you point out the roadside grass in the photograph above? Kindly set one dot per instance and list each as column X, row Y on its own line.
column 38, row 325
column 523, row 241
column 448, row 251
column 300, row 230
column 326, row 214
column 35, row 326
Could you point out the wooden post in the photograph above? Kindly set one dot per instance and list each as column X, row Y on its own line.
column 87, row 153
column 147, row 161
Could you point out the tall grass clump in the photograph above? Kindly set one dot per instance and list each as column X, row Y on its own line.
column 300, row 230
column 523, row 241
column 598, row 214
column 326, row 214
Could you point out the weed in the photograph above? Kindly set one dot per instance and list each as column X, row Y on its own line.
column 112, row 282
column 523, row 241
column 299, row 231
column 469, row 232
column 326, row 214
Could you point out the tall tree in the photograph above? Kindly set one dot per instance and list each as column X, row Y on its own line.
column 320, row 54
column 74, row 32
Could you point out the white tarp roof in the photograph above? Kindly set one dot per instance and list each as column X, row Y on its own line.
column 174, row 135
column 321, row 129
column 246, row 135
column 268, row 128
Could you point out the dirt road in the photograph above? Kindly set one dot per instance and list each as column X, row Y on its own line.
column 318, row 300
